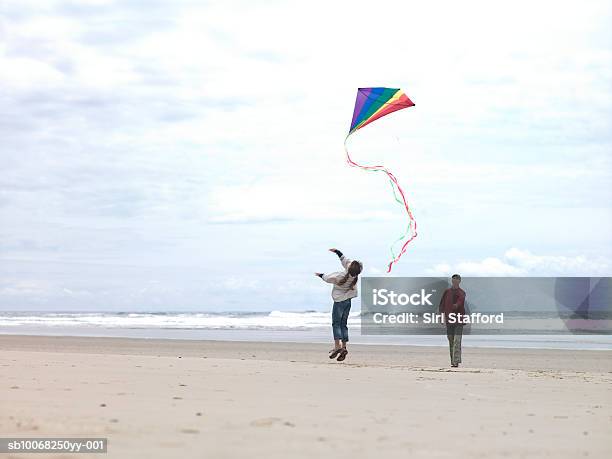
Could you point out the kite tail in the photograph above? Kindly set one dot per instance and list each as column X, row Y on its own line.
column 412, row 225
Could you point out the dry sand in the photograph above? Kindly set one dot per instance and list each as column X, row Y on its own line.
column 207, row 399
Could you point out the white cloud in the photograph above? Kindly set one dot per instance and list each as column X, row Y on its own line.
column 517, row 262
column 290, row 199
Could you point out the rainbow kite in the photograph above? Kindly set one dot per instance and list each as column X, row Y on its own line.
column 371, row 104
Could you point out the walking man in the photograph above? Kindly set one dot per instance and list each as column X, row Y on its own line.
column 452, row 305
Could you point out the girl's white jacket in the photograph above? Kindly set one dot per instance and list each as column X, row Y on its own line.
column 341, row 292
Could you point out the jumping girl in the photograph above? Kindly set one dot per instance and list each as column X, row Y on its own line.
column 345, row 288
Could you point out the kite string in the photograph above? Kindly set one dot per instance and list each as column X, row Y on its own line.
column 394, row 183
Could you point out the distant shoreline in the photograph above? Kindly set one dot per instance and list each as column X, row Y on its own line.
column 322, row 336
column 278, row 326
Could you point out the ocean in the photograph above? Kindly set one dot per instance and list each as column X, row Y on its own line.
column 279, row 326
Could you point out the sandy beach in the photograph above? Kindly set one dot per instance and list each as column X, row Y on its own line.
column 183, row 399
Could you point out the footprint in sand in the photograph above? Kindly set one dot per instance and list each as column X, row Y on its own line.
column 268, row 422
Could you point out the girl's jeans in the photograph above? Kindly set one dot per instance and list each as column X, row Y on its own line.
column 340, row 314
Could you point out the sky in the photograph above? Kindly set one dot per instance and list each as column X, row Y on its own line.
column 162, row 156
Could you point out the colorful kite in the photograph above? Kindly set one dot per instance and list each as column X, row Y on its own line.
column 371, row 104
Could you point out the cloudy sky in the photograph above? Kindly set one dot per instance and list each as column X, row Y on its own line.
column 168, row 155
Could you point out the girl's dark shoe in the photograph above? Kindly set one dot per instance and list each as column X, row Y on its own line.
column 334, row 353
column 342, row 355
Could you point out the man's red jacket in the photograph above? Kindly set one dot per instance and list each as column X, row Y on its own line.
column 450, row 297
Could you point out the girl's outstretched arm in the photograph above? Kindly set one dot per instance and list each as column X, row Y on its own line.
column 330, row 278
column 344, row 260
